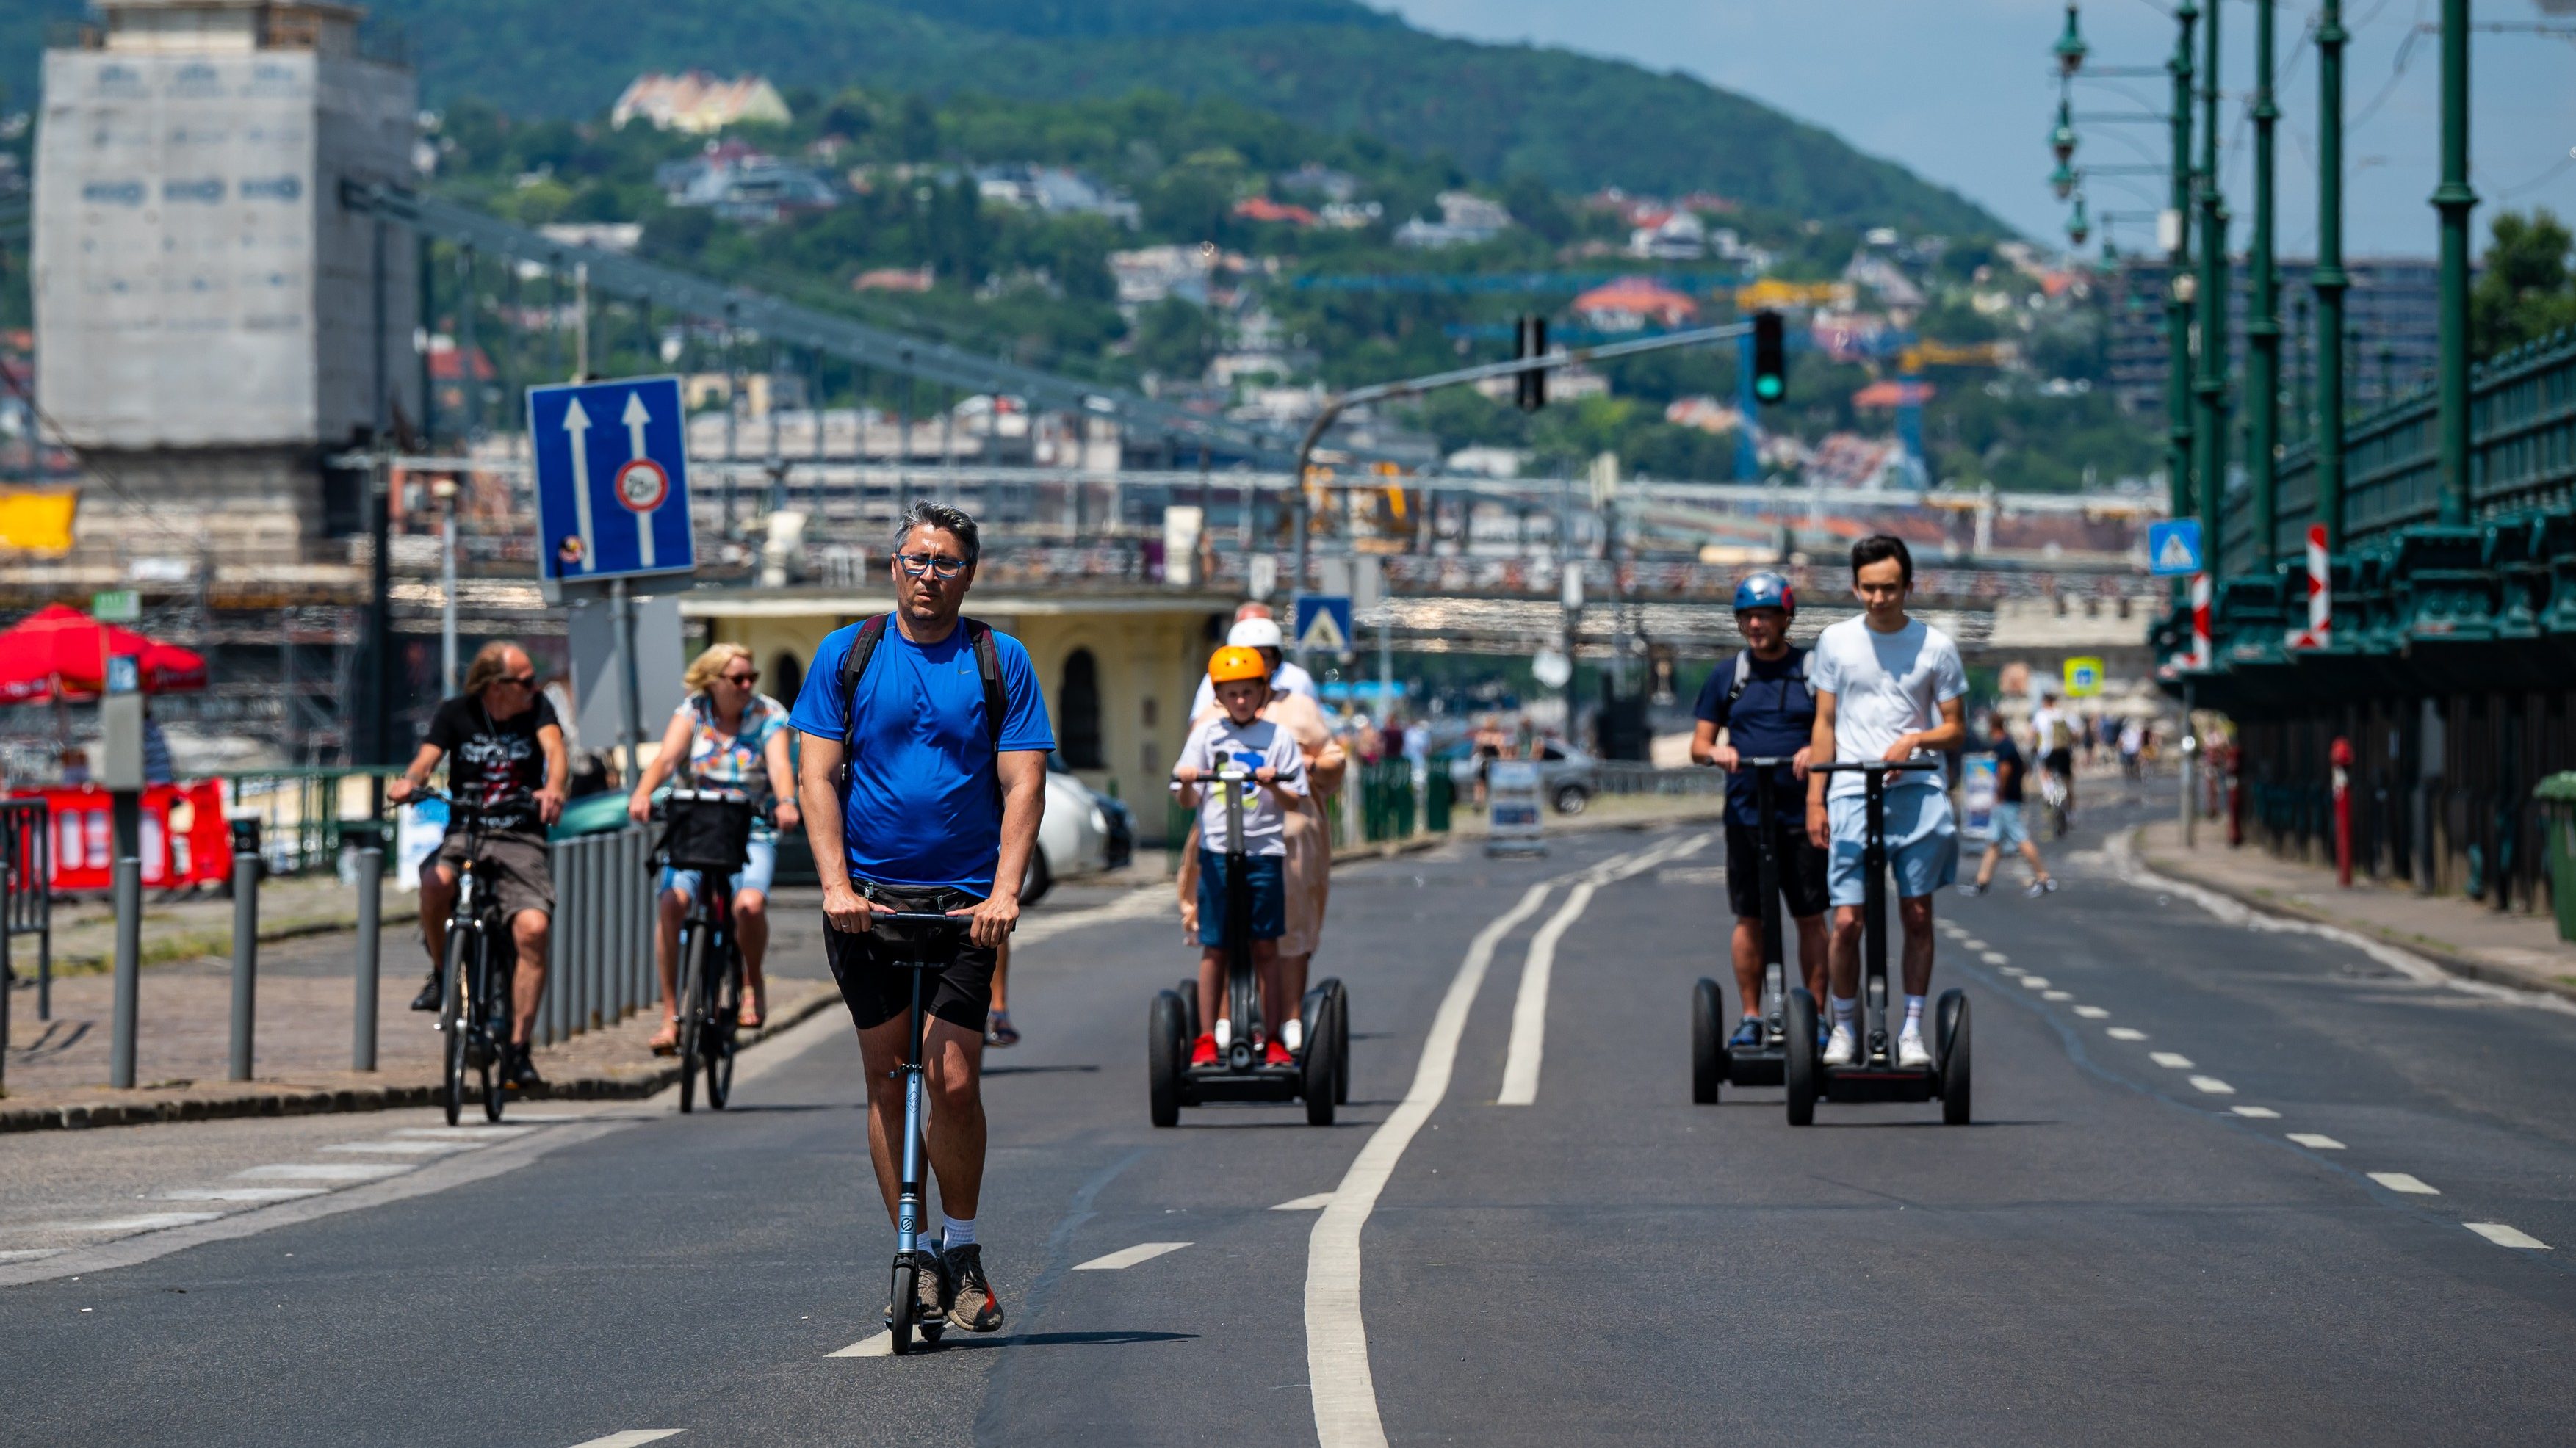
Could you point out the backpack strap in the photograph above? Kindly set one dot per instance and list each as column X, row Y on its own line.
column 862, row 648
column 997, row 702
column 1743, row 678
column 988, row 665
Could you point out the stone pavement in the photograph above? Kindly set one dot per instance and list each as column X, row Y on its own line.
column 2503, row 947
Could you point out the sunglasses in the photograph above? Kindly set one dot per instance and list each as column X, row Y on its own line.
column 741, row 681
column 524, row 681
column 933, row 564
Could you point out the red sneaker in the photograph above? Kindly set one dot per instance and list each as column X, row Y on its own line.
column 1204, row 1053
column 1277, row 1055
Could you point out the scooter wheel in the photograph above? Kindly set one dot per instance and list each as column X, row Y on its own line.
column 1954, row 1063
column 1163, row 1058
column 1801, row 1071
column 905, row 1300
column 1945, row 1023
column 1319, row 1068
column 1708, row 1049
column 1341, row 1045
column 1189, row 990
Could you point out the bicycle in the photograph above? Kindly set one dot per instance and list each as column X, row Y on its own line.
column 474, row 977
column 708, row 831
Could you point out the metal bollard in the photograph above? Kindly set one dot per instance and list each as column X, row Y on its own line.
column 620, row 971
column 593, row 967
column 245, row 942
column 127, row 888
column 368, row 960
column 550, row 1009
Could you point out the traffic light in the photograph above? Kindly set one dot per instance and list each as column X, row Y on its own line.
column 1770, row 358
column 1529, row 339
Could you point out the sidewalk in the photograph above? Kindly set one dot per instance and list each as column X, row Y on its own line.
column 2509, row 949
column 201, row 923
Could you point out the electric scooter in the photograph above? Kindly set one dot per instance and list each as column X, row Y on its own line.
column 1713, row 1061
column 930, row 942
column 1320, row 1073
column 1874, row 1074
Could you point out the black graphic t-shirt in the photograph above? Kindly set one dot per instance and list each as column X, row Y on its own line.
column 493, row 762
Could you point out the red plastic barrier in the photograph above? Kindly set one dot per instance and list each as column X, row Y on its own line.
column 185, row 841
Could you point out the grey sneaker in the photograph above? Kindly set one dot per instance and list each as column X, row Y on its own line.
column 2041, row 887
column 972, row 1305
column 930, row 1287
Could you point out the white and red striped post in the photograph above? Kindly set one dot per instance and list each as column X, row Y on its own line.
column 2320, row 591
column 2201, row 654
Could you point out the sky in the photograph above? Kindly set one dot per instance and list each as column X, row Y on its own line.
column 1964, row 92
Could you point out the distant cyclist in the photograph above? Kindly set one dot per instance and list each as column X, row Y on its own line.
column 505, row 753
column 1887, row 687
column 2053, row 733
column 1763, row 701
column 734, row 738
column 946, row 738
column 2012, row 830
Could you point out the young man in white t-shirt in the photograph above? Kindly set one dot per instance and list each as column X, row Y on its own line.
column 1241, row 736
column 1887, row 687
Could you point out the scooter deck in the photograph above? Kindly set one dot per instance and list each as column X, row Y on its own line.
column 1258, row 1083
column 1879, row 1083
column 1757, row 1065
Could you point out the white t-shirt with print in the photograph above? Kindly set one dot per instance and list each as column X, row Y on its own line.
column 1265, row 824
column 1884, row 685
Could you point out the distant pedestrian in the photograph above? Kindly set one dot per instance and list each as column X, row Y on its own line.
column 2011, row 831
column 2133, row 748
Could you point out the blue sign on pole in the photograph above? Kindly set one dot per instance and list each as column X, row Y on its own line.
column 2173, row 547
column 612, row 480
column 1324, row 623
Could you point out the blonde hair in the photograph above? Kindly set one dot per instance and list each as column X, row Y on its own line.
column 706, row 668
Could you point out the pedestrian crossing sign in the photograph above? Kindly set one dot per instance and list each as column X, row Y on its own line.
column 2083, row 678
column 2173, row 547
column 1324, row 623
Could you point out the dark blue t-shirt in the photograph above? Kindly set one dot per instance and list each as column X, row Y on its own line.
column 2009, row 770
column 919, row 808
column 1776, row 715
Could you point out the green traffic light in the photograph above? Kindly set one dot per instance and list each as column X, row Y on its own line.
column 1767, row 388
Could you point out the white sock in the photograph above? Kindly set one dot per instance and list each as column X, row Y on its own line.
column 1846, row 1012
column 1914, row 1015
column 954, row 1234
column 1292, row 1032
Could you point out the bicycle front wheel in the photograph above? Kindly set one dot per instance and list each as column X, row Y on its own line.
column 454, row 1018
column 693, row 1009
column 724, row 1007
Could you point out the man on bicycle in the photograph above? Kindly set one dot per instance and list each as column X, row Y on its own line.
column 1763, row 701
column 2052, row 734
column 945, row 736
column 505, row 754
column 1887, row 687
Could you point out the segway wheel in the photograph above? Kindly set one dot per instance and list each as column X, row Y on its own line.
column 1954, row 1061
column 1801, row 1071
column 905, row 1301
column 1189, row 990
column 1321, row 1053
column 1945, row 1023
column 1708, row 1048
column 1341, row 1045
column 1163, row 1059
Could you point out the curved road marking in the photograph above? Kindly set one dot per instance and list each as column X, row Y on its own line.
column 1528, row 1046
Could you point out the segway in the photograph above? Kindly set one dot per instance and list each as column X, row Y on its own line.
column 1874, row 1075
column 933, row 944
column 1319, row 1074
column 1713, row 1061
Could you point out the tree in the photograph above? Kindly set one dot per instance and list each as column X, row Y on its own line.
column 1175, row 339
column 2527, row 291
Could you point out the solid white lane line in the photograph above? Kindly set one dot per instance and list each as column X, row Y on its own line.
column 327, row 1171
column 2125, row 1033
column 1315, row 1203
column 240, row 1194
column 1126, row 1257
column 2256, row 1113
column 631, row 1438
column 1338, row 1378
column 2091, row 1013
column 147, row 1222
column 2504, row 1236
column 2407, row 1182
column 1529, row 1012
column 2170, row 1060
column 2057, row 995
column 2314, row 1142
column 881, row 1345
column 2212, row 1085
column 404, row 1148
column 1994, row 957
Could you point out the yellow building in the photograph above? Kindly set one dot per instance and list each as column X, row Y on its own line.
column 1118, row 668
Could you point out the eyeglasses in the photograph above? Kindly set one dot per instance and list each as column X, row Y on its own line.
column 524, row 681
column 936, row 565
column 741, row 681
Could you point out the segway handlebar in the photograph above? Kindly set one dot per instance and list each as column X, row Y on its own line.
column 1871, row 766
column 921, row 917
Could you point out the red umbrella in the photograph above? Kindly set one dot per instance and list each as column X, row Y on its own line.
column 61, row 653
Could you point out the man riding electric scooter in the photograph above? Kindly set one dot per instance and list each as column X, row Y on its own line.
column 1764, row 702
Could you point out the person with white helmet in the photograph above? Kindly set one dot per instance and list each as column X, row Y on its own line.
column 1259, row 631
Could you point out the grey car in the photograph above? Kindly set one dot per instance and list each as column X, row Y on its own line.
column 1568, row 776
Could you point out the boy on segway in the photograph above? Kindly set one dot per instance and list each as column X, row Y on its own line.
column 1763, row 701
column 1242, row 737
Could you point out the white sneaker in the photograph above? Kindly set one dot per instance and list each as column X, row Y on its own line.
column 1840, row 1047
column 1910, row 1050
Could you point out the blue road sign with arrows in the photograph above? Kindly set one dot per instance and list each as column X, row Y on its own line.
column 612, row 480
column 2173, row 547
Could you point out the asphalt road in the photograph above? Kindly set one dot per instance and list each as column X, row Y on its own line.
column 2188, row 1210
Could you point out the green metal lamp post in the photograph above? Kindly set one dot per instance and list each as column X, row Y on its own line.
column 2263, row 325
column 2178, row 290
column 2071, row 48
column 2454, row 200
column 2330, row 280
column 2212, row 387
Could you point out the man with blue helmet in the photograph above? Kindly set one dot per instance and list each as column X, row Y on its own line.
column 1763, row 701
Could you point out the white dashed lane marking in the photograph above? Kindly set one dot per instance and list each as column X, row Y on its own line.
column 2034, row 982
column 2407, row 1182
column 1315, row 1203
column 404, row 1148
column 327, row 1171
column 2504, row 1236
column 2091, row 1013
column 631, row 1438
column 1996, row 957
column 1127, row 1257
column 2126, row 1033
column 2314, row 1142
column 2212, row 1085
column 1972, row 942
column 29, row 1254
column 2256, row 1113
column 2170, row 1060
column 2057, row 995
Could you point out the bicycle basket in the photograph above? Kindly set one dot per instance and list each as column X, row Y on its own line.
column 707, row 832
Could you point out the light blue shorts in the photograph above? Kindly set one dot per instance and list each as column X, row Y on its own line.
column 2011, row 830
column 1922, row 843
column 759, row 863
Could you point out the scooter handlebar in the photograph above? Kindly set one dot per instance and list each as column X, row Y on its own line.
column 1871, row 766
column 922, row 917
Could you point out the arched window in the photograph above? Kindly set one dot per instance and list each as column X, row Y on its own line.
column 1078, row 704
column 786, row 678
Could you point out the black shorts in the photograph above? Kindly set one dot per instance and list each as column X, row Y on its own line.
column 2059, row 762
column 1801, row 865
column 877, row 991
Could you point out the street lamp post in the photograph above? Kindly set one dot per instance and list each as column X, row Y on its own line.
column 2178, row 292
column 2330, row 279
column 2212, row 387
column 2263, row 326
column 2454, row 200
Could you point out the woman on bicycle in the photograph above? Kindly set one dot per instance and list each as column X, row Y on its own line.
column 734, row 738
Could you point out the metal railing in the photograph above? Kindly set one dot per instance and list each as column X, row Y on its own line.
column 600, row 952
column 1618, row 777
column 302, row 812
column 26, row 906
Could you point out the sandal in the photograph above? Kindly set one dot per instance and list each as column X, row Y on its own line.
column 666, row 1041
column 998, row 1031
column 747, row 1015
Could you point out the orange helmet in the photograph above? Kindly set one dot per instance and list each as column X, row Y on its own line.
column 1234, row 662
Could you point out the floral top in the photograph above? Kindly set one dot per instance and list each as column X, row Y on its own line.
column 718, row 760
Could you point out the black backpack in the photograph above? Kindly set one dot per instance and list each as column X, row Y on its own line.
column 988, row 663
column 1744, row 675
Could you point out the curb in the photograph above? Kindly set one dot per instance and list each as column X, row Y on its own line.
column 2450, row 962
column 317, row 1101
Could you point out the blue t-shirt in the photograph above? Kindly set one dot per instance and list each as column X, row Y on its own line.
column 1775, row 716
column 919, row 809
